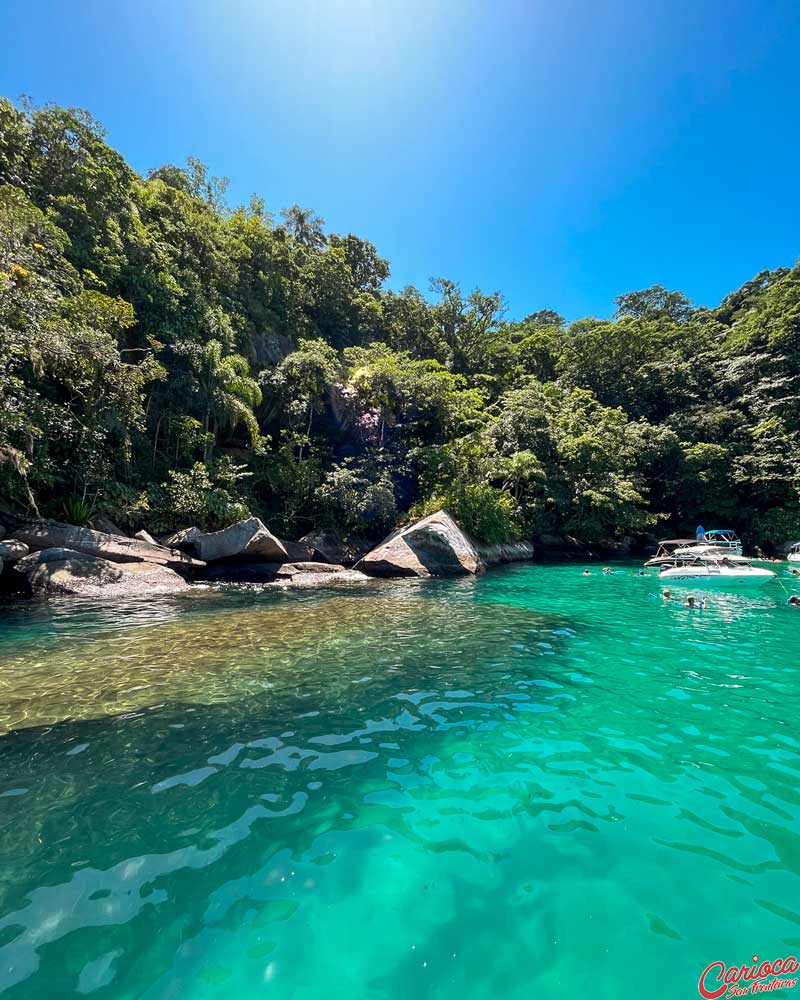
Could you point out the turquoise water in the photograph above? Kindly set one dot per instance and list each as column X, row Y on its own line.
column 532, row 784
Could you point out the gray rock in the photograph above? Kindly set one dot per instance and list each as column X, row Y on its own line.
column 51, row 534
column 298, row 551
column 102, row 523
column 145, row 536
column 183, row 539
column 296, row 568
column 306, row 574
column 249, row 539
column 63, row 572
column 507, row 552
column 11, row 550
column 434, row 546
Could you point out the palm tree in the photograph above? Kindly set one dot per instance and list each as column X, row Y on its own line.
column 304, row 225
column 228, row 393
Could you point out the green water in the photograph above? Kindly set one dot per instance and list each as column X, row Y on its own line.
column 532, row 784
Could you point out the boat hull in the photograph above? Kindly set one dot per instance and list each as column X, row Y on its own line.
column 698, row 577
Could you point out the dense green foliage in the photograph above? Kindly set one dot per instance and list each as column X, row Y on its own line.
column 165, row 359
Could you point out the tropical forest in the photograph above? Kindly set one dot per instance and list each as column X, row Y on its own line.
column 170, row 359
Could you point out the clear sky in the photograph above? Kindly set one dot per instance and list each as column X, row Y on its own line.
column 562, row 152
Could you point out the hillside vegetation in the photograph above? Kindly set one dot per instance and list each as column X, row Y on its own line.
column 166, row 359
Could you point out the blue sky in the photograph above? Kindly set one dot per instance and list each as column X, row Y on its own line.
column 561, row 152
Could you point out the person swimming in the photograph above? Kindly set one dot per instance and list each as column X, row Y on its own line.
column 607, row 571
column 692, row 602
column 794, row 601
column 587, row 572
column 666, row 594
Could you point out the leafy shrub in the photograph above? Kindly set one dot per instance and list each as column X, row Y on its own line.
column 488, row 514
column 127, row 506
column 203, row 496
column 356, row 498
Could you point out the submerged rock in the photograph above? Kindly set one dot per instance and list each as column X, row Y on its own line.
column 250, row 539
column 60, row 571
column 52, row 534
column 434, row 546
column 307, row 574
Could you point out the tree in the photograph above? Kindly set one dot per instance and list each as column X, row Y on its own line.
column 305, row 226
column 468, row 327
column 654, row 303
column 228, row 395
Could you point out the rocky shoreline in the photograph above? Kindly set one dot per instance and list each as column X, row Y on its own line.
column 43, row 558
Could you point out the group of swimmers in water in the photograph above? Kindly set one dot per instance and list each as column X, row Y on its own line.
column 691, row 601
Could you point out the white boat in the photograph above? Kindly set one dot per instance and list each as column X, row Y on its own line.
column 794, row 553
column 722, row 571
column 701, row 550
column 722, row 539
column 665, row 554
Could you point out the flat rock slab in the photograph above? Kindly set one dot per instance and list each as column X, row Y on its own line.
column 304, row 574
column 250, row 540
column 62, row 572
column 114, row 548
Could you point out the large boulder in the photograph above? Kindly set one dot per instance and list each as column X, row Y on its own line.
column 64, row 572
column 145, row 536
column 298, row 551
column 183, row 539
column 52, row 534
column 248, row 540
column 11, row 550
column 434, row 546
column 102, row 523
